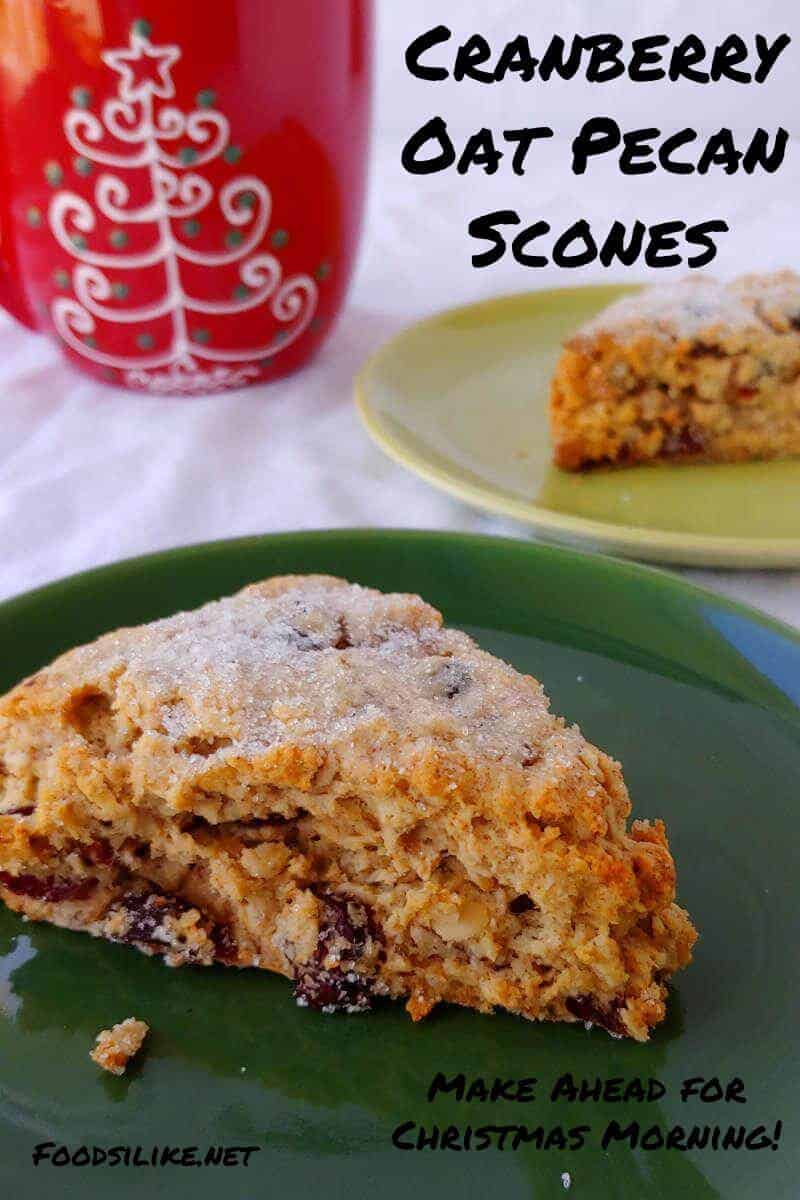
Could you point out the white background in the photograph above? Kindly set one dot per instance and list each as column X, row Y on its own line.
column 91, row 474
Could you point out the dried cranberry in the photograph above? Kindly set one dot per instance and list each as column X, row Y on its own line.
column 346, row 928
column 704, row 350
column 522, row 904
column 348, row 939
column 225, row 947
column 48, row 887
column 585, row 1009
column 333, row 991
column 100, row 852
column 147, row 913
column 685, row 441
column 25, row 811
column 343, row 642
column 205, row 746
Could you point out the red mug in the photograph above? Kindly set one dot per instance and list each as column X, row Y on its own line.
column 182, row 183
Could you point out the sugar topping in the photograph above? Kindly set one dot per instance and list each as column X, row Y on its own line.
column 696, row 306
column 315, row 660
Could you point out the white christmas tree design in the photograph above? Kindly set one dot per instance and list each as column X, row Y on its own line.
column 137, row 131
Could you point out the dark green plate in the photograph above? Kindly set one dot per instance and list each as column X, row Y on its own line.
column 696, row 696
column 462, row 399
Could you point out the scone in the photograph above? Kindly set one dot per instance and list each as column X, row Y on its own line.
column 692, row 371
column 314, row 778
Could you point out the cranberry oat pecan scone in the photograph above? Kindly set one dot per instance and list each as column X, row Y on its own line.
column 697, row 370
column 320, row 780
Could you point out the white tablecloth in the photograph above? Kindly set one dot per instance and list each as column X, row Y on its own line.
column 90, row 474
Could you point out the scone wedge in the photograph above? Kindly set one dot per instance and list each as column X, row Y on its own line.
column 695, row 371
column 314, row 778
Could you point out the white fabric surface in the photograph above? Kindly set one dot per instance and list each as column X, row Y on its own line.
column 90, row 474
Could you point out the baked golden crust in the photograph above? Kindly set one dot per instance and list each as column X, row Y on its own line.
column 693, row 371
column 317, row 779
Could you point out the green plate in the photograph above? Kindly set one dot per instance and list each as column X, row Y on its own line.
column 696, row 696
column 462, row 400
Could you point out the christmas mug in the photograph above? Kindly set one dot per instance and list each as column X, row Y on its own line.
column 182, row 183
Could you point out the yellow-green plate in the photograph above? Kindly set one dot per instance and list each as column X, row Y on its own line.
column 462, row 400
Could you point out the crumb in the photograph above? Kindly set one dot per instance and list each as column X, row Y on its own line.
column 117, row 1046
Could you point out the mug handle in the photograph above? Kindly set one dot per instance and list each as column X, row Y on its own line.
column 12, row 298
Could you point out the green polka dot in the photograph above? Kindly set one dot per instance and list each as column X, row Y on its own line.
column 108, row 373
column 234, row 237
column 81, row 97
column 120, row 290
column 280, row 238
column 34, row 216
column 91, row 342
column 247, row 200
column 191, row 228
column 145, row 341
column 241, row 291
column 232, row 154
column 118, row 238
column 82, row 165
column 142, row 27
column 315, row 325
column 266, row 363
column 281, row 336
column 53, row 173
column 79, row 241
column 61, row 279
column 207, row 98
column 322, row 272
column 201, row 336
column 187, row 154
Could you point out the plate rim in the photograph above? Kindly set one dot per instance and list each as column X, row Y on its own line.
column 630, row 541
column 660, row 577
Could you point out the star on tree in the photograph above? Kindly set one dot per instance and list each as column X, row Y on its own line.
column 145, row 69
